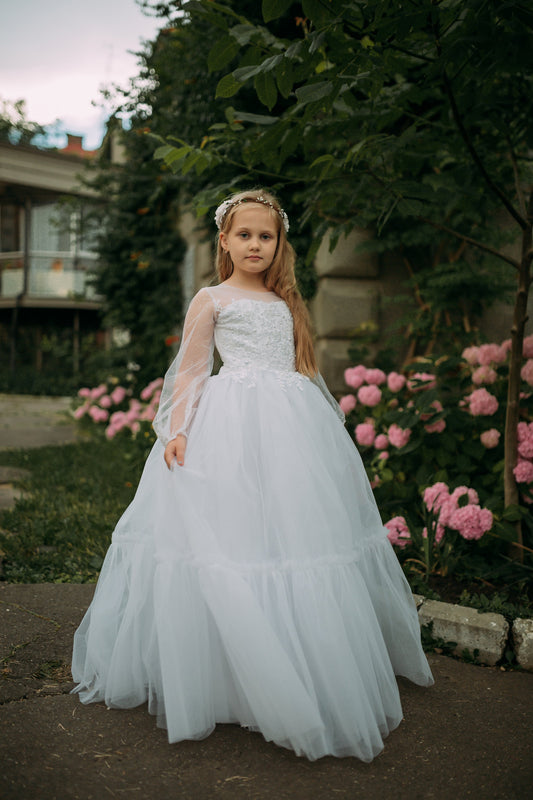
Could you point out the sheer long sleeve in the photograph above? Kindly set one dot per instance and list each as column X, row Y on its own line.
column 188, row 373
column 319, row 382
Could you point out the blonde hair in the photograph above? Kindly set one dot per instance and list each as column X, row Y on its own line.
column 279, row 277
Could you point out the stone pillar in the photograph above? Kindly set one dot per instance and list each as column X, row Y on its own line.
column 348, row 296
column 197, row 268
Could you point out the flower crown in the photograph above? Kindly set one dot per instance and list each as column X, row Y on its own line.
column 224, row 207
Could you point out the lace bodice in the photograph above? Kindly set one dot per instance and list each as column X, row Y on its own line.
column 252, row 333
column 251, row 330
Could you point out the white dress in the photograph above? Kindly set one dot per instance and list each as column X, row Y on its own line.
column 255, row 584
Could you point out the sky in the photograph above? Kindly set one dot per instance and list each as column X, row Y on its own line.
column 56, row 55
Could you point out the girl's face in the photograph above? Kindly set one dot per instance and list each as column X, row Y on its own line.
column 252, row 239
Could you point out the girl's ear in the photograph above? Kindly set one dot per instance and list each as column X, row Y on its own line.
column 223, row 241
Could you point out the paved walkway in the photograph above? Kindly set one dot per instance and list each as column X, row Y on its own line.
column 469, row 736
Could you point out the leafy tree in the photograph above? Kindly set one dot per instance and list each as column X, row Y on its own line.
column 15, row 127
column 393, row 114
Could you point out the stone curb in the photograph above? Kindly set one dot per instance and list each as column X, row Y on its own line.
column 487, row 633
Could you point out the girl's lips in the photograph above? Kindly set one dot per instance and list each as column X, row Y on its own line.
column 254, row 258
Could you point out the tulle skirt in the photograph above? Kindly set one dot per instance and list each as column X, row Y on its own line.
column 255, row 585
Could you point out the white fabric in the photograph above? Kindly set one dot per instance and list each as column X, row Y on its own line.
column 255, row 584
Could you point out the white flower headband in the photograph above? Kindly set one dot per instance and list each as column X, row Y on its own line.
column 224, row 207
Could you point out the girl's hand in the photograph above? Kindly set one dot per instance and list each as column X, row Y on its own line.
column 176, row 450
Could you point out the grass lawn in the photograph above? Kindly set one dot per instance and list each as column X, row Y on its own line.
column 61, row 528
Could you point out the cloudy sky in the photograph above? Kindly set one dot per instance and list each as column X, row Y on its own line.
column 56, row 55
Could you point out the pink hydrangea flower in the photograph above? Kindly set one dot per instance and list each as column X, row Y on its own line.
column 105, row 401
column 436, row 495
column 421, row 381
column 490, row 438
column 524, row 431
column 527, row 349
column 506, row 345
column 384, row 455
column 98, row 414
column 398, row 532
column 462, row 490
column 525, row 448
column 99, row 391
column 484, row 374
column 355, row 376
column 471, row 521
column 347, row 403
column 395, row 381
column 81, row 411
column 470, row 355
column 118, row 394
column 369, row 395
column 84, row 392
column 381, row 442
column 491, row 354
column 436, row 427
column 526, row 373
column 398, row 437
column 482, row 403
column 375, row 376
column 376, row 480
column 523, row 471
column 365, row 433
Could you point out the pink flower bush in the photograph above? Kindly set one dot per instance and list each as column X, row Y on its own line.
column 527, row 349
column 381, row 442
column 398, row 437
column 526, row 373
column 398, row 532
column 355, row 376
column 395, row 381
column 490, row 438
column 470, row 355
column 436, row 495
column 523, row 471
column 365, row 433
column 347, row 403
column 375, row 376
column 471, row 521
column 491, row 354
column 484, row 374
column 421, row 381
column 369, row 395
column 118, row 395
column 98, row 406
column 482, row 403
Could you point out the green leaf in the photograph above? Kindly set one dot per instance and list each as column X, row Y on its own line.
column 265, row 86
column 227, row 86
column 272, row 9
column 222, row 53
column 285, row 77
column 257, row 119
column 313, row 92
column 317, row 10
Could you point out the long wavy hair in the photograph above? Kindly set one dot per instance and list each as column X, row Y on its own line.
column 279, row 277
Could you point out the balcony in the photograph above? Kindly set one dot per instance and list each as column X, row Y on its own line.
column 52, row 275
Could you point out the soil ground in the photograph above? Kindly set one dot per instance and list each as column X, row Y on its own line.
column 469, row 736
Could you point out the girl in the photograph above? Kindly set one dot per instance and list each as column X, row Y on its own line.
column 252, row 581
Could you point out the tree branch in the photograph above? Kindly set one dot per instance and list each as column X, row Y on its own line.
column 475, row 156
column 474, row 242
column 519, row 192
